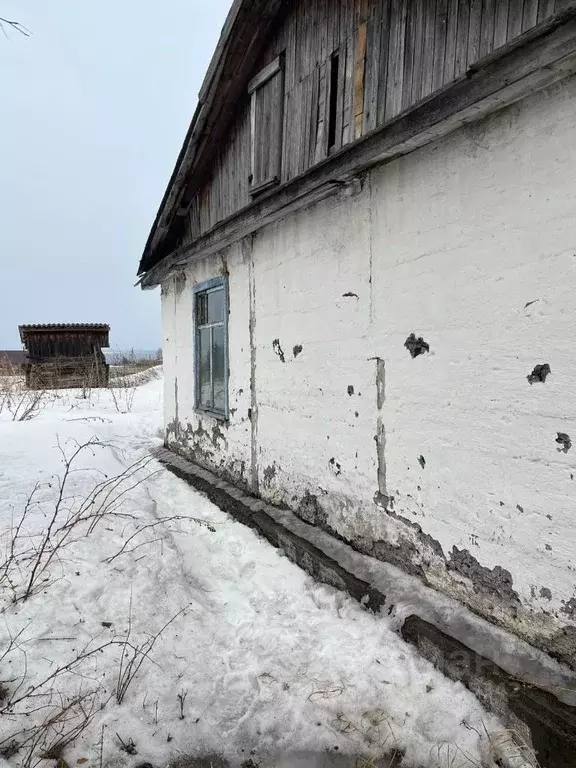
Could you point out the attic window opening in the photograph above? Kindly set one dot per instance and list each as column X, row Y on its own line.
column 267, row 117
column 333, row 104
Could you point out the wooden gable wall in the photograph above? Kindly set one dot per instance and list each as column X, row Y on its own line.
column 391, row 54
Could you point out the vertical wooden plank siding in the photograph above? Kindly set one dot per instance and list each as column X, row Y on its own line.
column 391, row 54
column 396, row 58
column 560, row 5
column 474, row 31
column 384, row 45
column 419, row 42
column 372, row 67
column 359, row 69
column 545, row 10
column 428, row 56
column 439, row 44
column 501, row 23
column 487, row 28
column 530, row 15
column 347, row 116
column 287, row 154
column 409, row 51
column 462, row 39
column 340, row 97
column 515, row 13
column 451, row 34
column 314, row 116
column 321, row 149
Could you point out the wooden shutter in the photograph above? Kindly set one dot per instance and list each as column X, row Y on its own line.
column 267, row 91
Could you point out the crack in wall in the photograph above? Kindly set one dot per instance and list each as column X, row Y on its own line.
column 380, row 436
column 248, row 254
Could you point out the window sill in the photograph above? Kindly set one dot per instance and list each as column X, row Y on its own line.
column 218, row 415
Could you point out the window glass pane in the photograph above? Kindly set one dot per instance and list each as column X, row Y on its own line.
column 204, row 378
column 218, row 357
column 201, row 308
column 216, row 306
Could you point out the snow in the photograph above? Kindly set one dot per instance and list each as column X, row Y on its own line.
column 267, row 661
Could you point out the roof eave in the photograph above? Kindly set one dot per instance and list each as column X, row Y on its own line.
column 240, row 16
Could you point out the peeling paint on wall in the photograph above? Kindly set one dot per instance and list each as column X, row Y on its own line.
column 497, row 581
column 539, row 373
column 564, row 441
column 278, row 350
column 416, row 346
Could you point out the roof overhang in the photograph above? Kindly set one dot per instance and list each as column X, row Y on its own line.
column 242, row 38
column 99, row 328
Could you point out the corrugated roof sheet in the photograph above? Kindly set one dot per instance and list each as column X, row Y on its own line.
column 62, row 328
column 67, row 326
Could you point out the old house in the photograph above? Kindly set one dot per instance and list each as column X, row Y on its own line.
column 66, row 355
column 366, row 255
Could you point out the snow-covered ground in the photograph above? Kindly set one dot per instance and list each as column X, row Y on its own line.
column 258, row 660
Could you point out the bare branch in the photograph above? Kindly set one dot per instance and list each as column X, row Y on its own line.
column 14, row 25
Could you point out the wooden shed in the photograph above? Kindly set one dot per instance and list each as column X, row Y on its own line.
column 62, row 356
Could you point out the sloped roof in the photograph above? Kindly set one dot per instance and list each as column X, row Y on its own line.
column 64, row 327
column 242, row 38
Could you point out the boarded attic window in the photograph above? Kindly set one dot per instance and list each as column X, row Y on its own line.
column 267, row 115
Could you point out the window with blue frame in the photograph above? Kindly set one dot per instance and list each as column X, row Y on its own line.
column 211, row 329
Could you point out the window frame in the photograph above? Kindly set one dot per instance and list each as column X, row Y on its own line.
column 210, row 286
column 274, row 69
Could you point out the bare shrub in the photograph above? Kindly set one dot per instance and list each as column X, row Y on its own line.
column 133, row 656
column 59, row 728
column 46, row 717
column 123, row 387
column 28, row 556
column 16, row 400
column 123, row 392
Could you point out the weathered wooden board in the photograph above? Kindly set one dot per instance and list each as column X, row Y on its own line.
column 451, row 37
column 384, row 46
column 359, row 71
column 487, row 28
column 428, row 47
column 440, row 32
column 515, row 13
column 418, row 44
column 396, row 49
column 474, row 31
column 348, row 92
column 372, row 75
column 545, row 9
column 409, row 54
column 501, row 23
column 462, row 37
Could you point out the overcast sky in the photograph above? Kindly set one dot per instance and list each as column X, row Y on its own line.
column 93, row 111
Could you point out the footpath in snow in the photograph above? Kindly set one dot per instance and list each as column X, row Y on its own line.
column 141, row 624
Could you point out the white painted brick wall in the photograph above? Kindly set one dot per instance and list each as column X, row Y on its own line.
column 452, row 243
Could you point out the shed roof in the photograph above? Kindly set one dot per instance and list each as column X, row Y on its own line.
column 63, row 328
